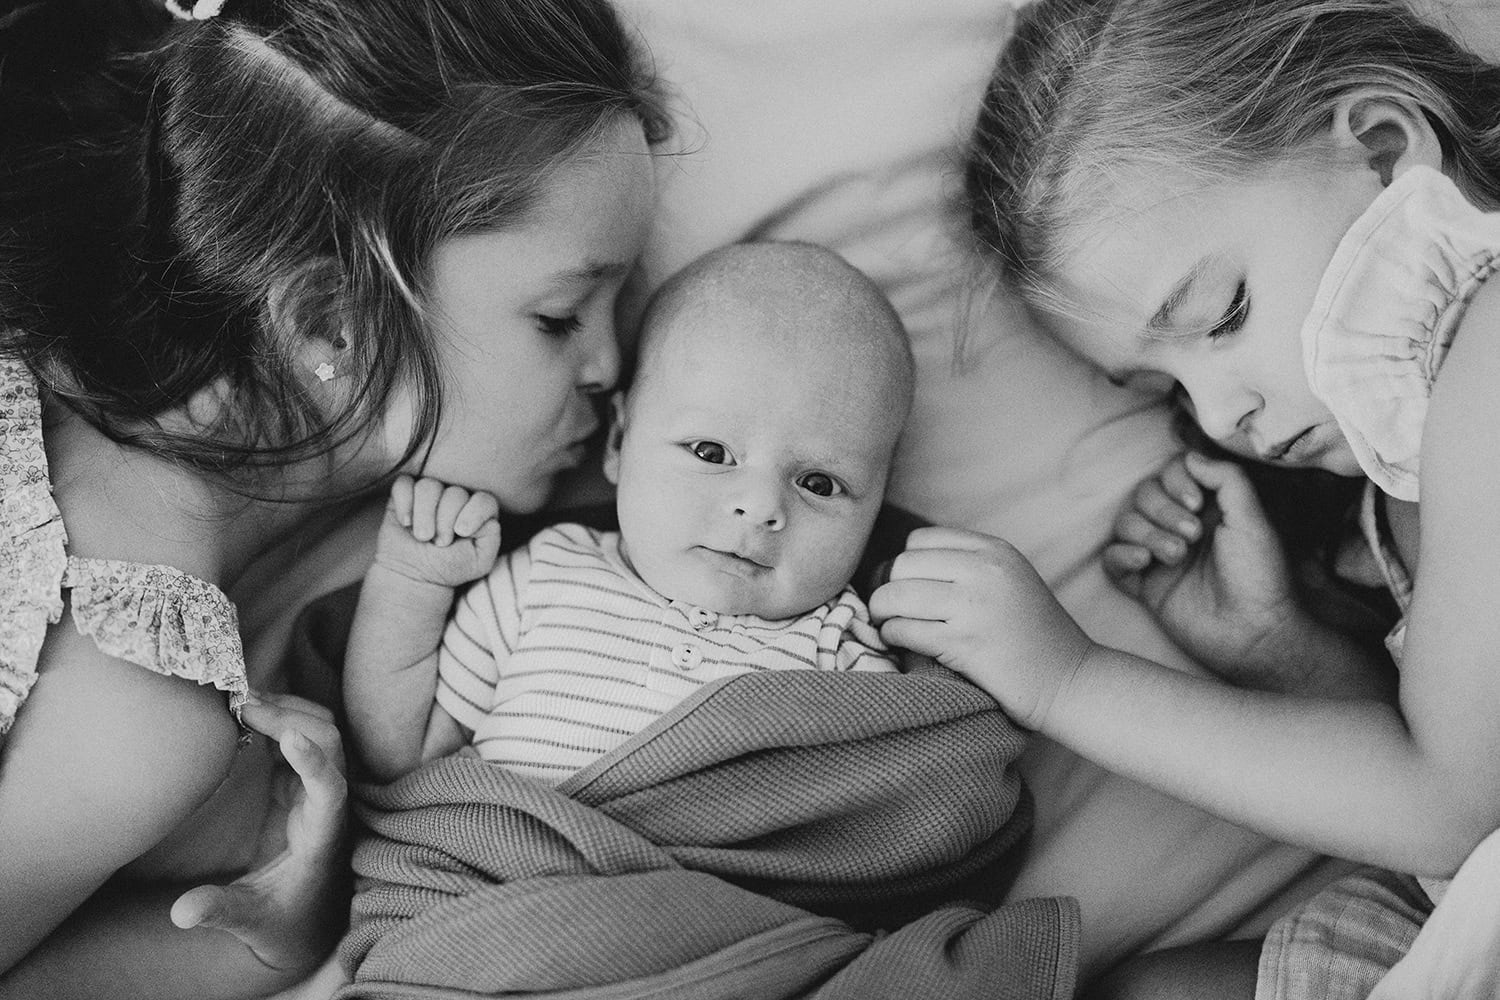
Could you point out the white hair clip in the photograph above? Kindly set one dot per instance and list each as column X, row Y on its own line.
column 201, row 11
column 324, row 372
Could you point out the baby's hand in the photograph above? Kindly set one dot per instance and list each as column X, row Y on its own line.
column 1195, row 547
column 437, row 533
column 976, row 605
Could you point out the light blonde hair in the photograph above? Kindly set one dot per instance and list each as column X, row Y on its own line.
column 1088, row 89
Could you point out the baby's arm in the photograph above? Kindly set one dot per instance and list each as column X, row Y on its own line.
column 434, row 539
column 1194, row 546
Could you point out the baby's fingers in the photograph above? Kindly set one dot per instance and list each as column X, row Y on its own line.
column 401, row 500
column 476, row 512
column 425, row 497
column 451, row 503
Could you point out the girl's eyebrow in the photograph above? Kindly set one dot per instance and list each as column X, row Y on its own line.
column 1161, row 321
column 593, row 272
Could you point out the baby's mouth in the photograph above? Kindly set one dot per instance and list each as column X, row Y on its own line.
column 735, row 561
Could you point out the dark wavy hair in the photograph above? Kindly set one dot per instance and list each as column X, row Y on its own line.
column 182, row 211
column 1087, row 88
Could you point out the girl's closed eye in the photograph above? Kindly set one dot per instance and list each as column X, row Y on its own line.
column 558, row 326
column 711, row 452
column 821, row 484
column 1234, row 317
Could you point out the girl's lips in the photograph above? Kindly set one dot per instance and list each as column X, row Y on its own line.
column 1291, row 449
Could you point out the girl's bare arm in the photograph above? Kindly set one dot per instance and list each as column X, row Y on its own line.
column 105, row 760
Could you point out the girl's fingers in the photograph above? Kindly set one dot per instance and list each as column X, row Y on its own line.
column 286, row 702
column 401, row 499
column 922, row 599
column 425, row 496
column 1233, row 492
column 450, row 504
column 943, row 565
column 204, row 906
column 480, row 509
column 283, row 718
column 924, row 637
column 323, row 783
column 1179, row 483
column 1124, row 563
column 940, row 537
column 1161, row 507
column 1135, row 529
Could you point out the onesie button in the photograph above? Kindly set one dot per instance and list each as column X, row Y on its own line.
column 685, row 657
column 702, row 618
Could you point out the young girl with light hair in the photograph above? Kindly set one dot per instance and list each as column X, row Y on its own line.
column 1284, row 212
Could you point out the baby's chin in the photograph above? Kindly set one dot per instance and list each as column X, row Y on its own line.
column 727, row 595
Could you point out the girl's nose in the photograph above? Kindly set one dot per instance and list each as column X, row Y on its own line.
column 599, row 367
column 1223, row 412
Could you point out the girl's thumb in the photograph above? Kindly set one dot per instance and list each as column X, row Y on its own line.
column 205, row 906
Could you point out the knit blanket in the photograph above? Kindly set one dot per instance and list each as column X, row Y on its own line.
column 777, row 835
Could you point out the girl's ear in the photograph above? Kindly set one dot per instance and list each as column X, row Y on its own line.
column 306, row 326
column 1388, row 129
column 614, row 438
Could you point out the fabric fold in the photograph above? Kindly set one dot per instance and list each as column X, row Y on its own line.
column 1385, row 314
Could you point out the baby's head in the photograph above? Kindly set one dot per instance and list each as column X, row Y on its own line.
column 751, row 451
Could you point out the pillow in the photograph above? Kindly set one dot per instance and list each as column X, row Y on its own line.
column 842, row 122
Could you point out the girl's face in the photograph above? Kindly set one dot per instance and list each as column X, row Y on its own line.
column 1207, row 288
column 525, row 324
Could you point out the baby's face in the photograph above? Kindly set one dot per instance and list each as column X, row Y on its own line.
column 750, row 471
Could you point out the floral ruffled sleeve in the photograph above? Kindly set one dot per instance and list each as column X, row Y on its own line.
column 154, row 616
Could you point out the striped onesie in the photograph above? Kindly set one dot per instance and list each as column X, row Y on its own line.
column 562, row 653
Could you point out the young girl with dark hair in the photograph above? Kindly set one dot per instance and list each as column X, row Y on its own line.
column 263, row 262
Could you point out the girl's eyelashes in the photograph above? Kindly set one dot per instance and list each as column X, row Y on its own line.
column 558, row 326
column 820, row 484
column 1234, row 317
column 711, row 452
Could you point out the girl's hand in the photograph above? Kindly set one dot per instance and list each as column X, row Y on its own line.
column 439, row 534
column 977, row 606
column 292, row 909
column 1195, row 547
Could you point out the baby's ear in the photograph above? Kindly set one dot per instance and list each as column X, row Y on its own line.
column 614, row 438
column 1388, row 128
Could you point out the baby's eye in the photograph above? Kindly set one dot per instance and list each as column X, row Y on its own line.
column 711, row 452
column 820, row 484
column 557, row 326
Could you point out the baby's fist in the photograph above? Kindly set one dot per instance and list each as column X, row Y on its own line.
column 438, row 533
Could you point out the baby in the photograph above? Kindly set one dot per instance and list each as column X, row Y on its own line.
column 750, row 456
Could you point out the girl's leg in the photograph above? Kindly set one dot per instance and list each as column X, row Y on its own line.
column 1220, row 970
